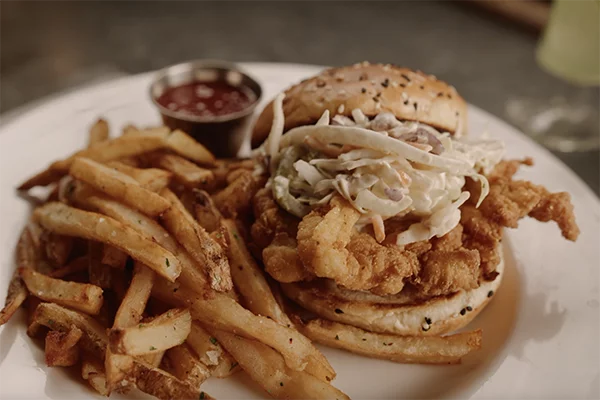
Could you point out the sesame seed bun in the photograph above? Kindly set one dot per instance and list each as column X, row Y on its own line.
column 394, row 314
column 373, row 88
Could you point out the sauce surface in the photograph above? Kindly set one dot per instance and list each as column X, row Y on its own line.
column 207, row 99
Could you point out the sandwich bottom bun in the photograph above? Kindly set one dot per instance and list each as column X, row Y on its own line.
column 394, row 314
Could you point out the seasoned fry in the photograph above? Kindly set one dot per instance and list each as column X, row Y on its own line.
column 152, row 179
column 129, row 314
column 99, row 274
column 98, row 132
column 165, row 331
column 93, row 371
column 61, row 347
column 113, row 257
column 249, row 279
column 267, row 368
column 209, row 351
column 184, row 145
column 57, row 248
column 222, row 312
column 129, row 129
column 77, row 265
column 17, row 291
column 70, row 221
column 114, row 149
column 118, row 185
column 184, row 171
column 79, row 296
column 186, row 366
column 161, row 384
column 133, row 305
column 147, row 378
column 402, row 349
column 207, row 214
column 61, row 319
column 203, row 249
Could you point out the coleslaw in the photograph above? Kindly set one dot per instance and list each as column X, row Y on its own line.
column 382, row 166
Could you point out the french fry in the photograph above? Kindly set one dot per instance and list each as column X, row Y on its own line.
column 58, row 318
column 129, row 314
column 79, row 296
column 113, row 257
column 133, row 305
column 207, row 214
column 57, row 248
column 93, row 372
column 221, row 312
column 148, row 228
column 268, row 368
column 186, row 146
column 79, row 264
column 161, row 384
column 401, row 349
column 203, row 249
column 17, row 291
column 147, row 378
column 184, row 171
column 249, row 279
column 33, row 328
column 186, row 366
column 210, row 352
column 118, row 185
column 153, row 179
column 109, row 150
column 70, row 221
column 129, row 129
column 99, row 274
column 98, row 133
column 165, row 331
column 61, row 347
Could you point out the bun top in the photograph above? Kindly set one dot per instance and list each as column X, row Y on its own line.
column 373, row 88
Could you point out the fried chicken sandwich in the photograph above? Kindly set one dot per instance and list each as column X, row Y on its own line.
column 380, row 211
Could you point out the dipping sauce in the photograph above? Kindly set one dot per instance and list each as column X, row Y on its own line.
column 207, row 99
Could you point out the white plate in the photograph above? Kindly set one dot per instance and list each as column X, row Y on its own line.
column 541, row 332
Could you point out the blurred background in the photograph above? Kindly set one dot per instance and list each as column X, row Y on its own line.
column 534, row 67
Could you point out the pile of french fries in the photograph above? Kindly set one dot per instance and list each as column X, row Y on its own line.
column 136, row 269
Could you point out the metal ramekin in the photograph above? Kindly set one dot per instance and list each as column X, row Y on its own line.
column 223, row 135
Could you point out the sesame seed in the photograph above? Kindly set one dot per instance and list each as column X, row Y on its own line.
column 421, row 87
column 406, row 102
column 403, row 85
column 415, row 105
column 101, row 220
column 490, row 293
column 469, row 308
column 385, row 83
column 375, row 99
column 113, row 233
column 463, row 311
column 405, row 77
column 363, row 90
column 338, row 311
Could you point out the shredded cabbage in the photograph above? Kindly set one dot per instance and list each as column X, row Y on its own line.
column 410, row 168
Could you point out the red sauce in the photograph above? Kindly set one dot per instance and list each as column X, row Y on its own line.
column 207, row 99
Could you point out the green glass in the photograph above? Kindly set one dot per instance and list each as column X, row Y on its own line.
column 570, row 46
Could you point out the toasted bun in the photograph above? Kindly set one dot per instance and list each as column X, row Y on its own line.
column 373, row 88
column 394, row 314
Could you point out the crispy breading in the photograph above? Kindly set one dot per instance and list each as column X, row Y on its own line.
column 444, row 272
column 328, row 246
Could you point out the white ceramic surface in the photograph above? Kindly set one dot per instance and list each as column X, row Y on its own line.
column 541, row 332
